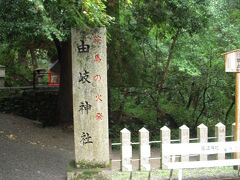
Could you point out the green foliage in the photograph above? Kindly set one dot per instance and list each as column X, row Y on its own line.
column 48, row 20
column 176, row 47
column 177, row 111
column 89, row 165
column 165, row 57
column 87, row 170
column 16, row 73
column 29, row 28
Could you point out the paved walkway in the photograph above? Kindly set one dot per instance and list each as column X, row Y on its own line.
column 28, row 152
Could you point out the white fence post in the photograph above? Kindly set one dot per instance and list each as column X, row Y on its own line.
column 126, row 150
column 144, row 164
column 220, row 133
column 184, row 138
column 202, row 135
column 165, row 136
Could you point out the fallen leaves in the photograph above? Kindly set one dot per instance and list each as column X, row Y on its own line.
column 11, row 136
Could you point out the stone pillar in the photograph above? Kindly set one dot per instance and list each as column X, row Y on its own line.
column 184, row 138
column 126, row 150
column 2, row 75
column 202, row 135
column 90, row 100
column 220, row 133
column 145, row 150
column 165, row 137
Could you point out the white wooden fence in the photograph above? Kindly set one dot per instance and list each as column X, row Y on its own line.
column 126, row 160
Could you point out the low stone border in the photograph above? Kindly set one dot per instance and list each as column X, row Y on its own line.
column 189, row 174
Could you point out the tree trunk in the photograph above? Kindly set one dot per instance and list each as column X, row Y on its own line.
column 203, row 106
column 229, row 110
column 65, row 103
column 34, row 59
column 190, row 96
column 114, row 47
column 169, row 59
column 22, row 57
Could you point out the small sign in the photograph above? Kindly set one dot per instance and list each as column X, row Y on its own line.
column 232, row 61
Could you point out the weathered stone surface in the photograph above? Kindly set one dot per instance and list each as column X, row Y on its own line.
column 90, row 103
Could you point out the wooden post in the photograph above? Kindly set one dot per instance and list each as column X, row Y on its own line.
column 232, row 64
column 234, row 129
column 237, row 107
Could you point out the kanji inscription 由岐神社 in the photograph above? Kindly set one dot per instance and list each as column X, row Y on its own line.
column 90, row 102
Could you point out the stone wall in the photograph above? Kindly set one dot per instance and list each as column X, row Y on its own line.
column 32, row 104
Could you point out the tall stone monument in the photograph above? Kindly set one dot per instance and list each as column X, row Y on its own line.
column 90, row 100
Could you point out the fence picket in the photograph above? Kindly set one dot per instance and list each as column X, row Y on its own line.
column 220, row 133
column 202, row 135
column 165, row 136
column 126, row 150
column 145, row 151
column 184, row 138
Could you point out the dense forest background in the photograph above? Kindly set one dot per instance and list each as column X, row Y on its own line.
column 165, row 57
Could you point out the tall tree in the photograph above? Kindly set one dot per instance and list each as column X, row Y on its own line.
column 26, row 24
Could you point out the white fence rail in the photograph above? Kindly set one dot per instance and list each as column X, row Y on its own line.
column 126, row 160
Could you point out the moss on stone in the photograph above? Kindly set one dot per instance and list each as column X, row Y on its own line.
column 86, row 165
column 87, row 170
